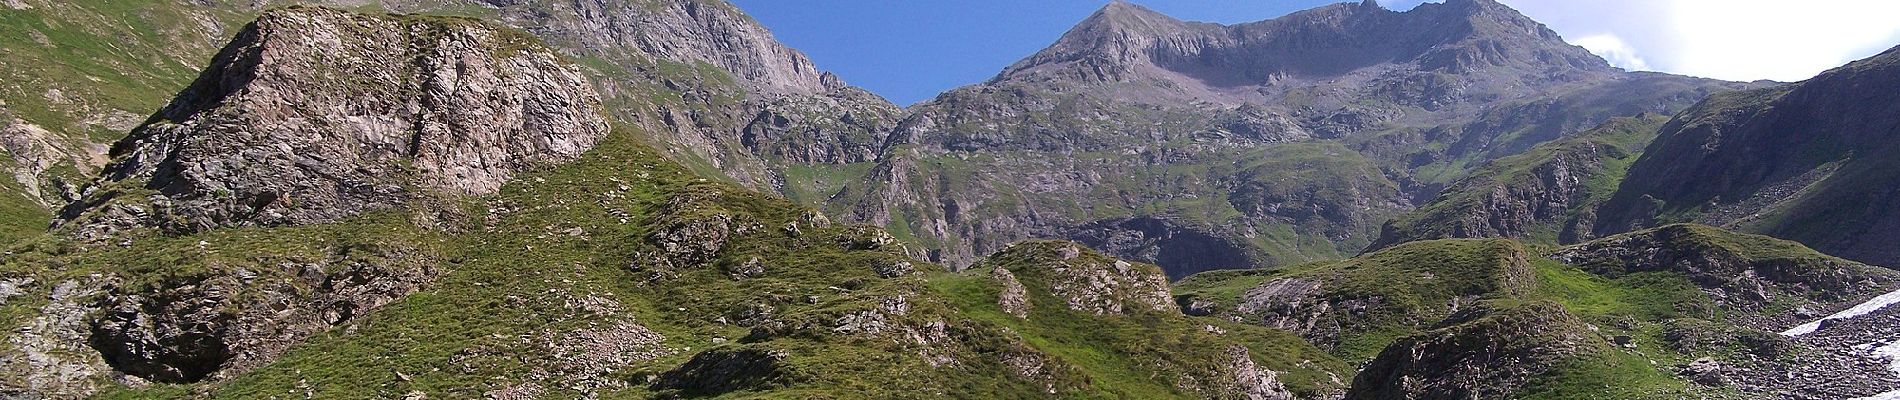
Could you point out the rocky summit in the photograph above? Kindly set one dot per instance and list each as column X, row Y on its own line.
column 527, row 199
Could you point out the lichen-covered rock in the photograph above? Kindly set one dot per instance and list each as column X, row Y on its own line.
column 890, row 268
column 314, row 115
column 1293, row 304
column 1014, row 299
column 1250, row 381
column 1086, row 281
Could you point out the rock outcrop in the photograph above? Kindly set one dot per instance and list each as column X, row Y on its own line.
column 314, row 115
column 1490, row 351
column 1084, row 280
column 210, row 329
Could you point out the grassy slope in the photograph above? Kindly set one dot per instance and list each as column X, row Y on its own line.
column 511, row 280
column 81, row 68
column 1643, row 306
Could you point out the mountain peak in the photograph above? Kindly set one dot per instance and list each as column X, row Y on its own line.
column 1457, row 36
column 1123, row 16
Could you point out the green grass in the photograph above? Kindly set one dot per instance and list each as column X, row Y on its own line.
column 1611, row 374
column 1646, row 296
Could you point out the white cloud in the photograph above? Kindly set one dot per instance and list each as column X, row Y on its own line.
column 1404, row 4
column 1612, row 49
column 1782, row 40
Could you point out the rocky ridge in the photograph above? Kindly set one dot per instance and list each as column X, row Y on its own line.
column 1287, row 140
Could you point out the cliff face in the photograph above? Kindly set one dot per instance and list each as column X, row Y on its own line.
column 304, row 118
column 1289, row 139
column 1806, row 162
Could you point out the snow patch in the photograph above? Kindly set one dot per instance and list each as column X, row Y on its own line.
column 1873, row 305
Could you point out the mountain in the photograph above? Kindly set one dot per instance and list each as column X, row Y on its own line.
column 1804, row 162
column 468, row 223
column 614, row 199
column 1202, row 146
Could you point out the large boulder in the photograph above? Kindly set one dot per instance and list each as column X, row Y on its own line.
column 314, row 115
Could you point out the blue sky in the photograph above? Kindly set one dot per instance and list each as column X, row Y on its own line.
column 910, row 50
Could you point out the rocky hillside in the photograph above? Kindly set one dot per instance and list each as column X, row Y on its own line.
column 1807, row 162
column 585, row 264
column 1265, row 143
column 1677, row 311
column 77, row 76
column 1548, row 194
column 610, row 199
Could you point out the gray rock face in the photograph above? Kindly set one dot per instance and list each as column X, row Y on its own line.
column 712, row 84
column 1163, row 242
column 1292, row 304
column 304, row 118
column 49, row 357
column 1252, row 382
column 685, row 31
